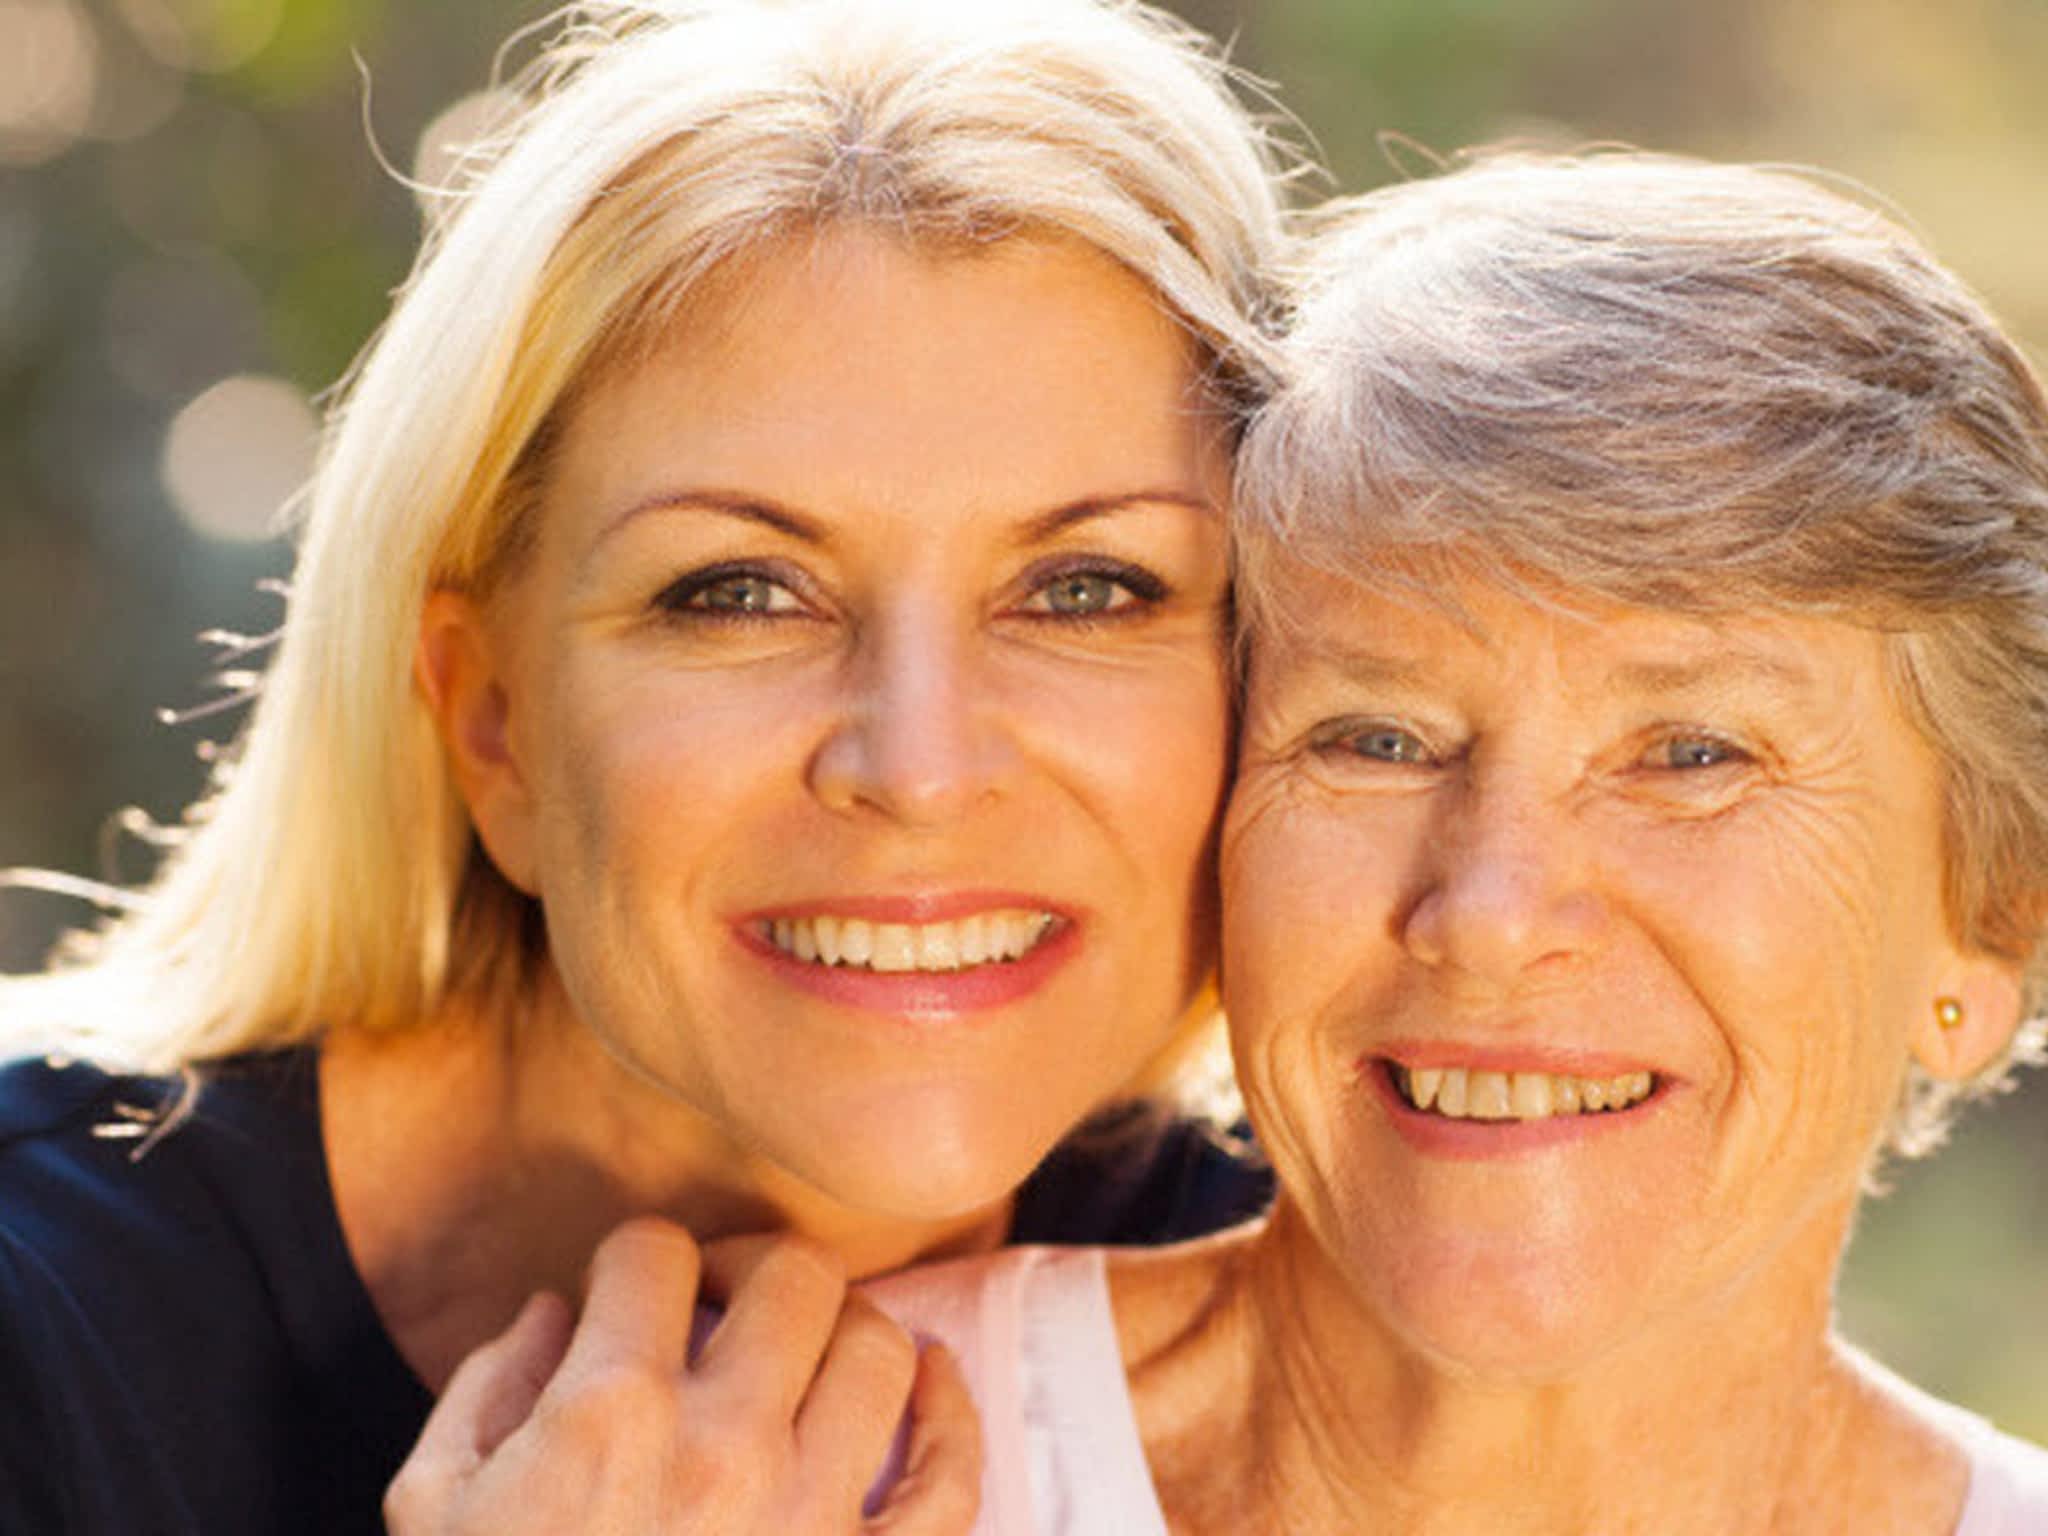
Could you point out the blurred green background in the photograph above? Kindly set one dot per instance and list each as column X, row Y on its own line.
column 195, row 237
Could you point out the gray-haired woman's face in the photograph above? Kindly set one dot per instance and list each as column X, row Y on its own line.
column 1573, row 962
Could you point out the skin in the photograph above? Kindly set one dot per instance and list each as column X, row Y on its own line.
column 888, row 575
column 1711, row 850
column 613, row 1424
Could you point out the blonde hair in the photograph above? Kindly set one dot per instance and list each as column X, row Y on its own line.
column 1696, row 387
column 331, row 876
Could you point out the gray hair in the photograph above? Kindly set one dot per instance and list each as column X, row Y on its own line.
column 1705, row 389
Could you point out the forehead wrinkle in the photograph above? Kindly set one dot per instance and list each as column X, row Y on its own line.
column 1713, row 673
column 1355, row 663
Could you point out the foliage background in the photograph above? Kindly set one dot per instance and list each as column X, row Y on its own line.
column 188, row 195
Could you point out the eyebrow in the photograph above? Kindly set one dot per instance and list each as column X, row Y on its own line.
column 1717, row 669
column 1060, row 518
column 753, row 509
column 770, row 513
column 1361, row 664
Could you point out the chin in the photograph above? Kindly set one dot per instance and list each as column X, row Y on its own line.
column 1511, row 1313
column 919, row 1164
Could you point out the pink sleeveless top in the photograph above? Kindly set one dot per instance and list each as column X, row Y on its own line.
column 1034, row 1333
column 1033, row 1330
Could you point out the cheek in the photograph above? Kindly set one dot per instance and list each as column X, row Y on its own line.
column 1311, row 891
column 1310, row 946
column 1147, row 747
column 649, row 771
column 1787, row 929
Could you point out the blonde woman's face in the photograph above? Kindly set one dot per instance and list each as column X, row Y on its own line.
column 1573, row 962
column 865, row 709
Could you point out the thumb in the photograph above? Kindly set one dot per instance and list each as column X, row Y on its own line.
column 490, row 1395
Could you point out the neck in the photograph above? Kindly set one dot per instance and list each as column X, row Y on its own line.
column 479, row 1159
column 1744, row 1417
column 577, row 1116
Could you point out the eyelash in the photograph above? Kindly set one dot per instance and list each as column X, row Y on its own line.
column 1344, row 738
column 679, row 599
column 1143, row 590
column 1730, row 754
column 1341, row 739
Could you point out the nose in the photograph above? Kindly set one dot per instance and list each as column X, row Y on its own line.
column 921, row 739
column 1509, row 893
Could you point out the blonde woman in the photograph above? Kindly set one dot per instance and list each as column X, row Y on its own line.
column 742, row 755
column 1639, row 826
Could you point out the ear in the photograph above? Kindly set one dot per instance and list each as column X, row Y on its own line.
column 1988, row 996
column 463, row 672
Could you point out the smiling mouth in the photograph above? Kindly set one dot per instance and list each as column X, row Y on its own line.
column 1458, row 1093
column 856, row 944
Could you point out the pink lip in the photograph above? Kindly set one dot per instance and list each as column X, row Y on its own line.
column 922, row 995
column 1472, row 1141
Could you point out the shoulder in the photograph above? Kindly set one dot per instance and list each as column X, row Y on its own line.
column 108, row 1282
column 990, row 1309
column 100, row 1169
column 2007, row 1489
column 1034, row 1331
column 2008, row 1485
column 1138, row 1173
column 129, row 1204
column 153, row 1237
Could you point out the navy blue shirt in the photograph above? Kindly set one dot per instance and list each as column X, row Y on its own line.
column 185, row 1345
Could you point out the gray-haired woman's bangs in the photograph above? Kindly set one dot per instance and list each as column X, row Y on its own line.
column 1669, row 407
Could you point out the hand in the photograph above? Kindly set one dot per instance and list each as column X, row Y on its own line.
column 604, row 1425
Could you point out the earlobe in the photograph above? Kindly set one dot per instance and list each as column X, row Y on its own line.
column 462, row 677
column 1966, row 1025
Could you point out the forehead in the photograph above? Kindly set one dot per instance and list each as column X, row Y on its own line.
column 1323, row 626
column 849, row 363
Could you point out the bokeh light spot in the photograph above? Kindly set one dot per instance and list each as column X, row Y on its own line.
column 49, row 79
column 136, row 94
column 237, row 454
column 209, row 35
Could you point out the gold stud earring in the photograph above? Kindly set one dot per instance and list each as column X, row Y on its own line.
column 1948, row 1013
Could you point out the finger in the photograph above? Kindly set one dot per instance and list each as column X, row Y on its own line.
column 939, row 1493
column 533, row 1348
column 488, row 1397
column 849, row 1419
column 637, row 1303
column 779, row 1317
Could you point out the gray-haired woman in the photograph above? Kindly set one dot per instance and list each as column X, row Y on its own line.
column 1640, row 821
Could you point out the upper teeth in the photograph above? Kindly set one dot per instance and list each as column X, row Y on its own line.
column 1468, row 1095
column 854, row 941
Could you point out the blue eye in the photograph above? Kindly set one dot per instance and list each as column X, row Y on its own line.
column 1085, row 592
column 725, row 592
column 1693, row 750
column 1386, row 744
column 1093, row 591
